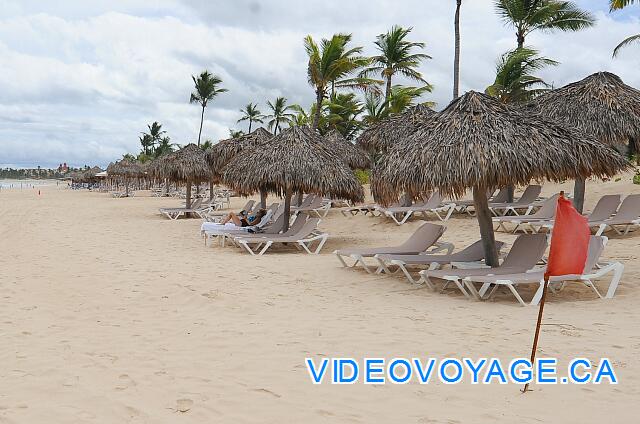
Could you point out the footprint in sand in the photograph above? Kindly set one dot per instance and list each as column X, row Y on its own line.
column 125, row 382
column 184, row 405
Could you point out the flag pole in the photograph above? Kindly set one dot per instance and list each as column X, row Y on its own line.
column 537, row 334
column 534, row 348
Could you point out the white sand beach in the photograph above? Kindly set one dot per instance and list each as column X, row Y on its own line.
column 112, row 314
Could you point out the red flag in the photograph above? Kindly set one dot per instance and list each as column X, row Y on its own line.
column 569, row 241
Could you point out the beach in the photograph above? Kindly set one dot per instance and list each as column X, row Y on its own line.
column 111, row 313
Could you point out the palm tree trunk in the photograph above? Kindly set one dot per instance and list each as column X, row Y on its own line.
column 249, row 125
column 510, row 188
column 387, row 92
column 210, row 191
column 456, row 54
column 520, row 39
column 483, row 215
column 578, row 194
column 316, row 117
column 201, row 122
column 287, row 210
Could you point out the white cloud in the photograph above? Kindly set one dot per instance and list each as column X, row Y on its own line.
column 81, row 80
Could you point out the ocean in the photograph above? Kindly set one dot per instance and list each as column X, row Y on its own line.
column 25, row 184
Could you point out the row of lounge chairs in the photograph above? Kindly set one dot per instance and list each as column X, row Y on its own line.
column 609, row 213
column 499, row 206
column 401, row 214
column 199, row 207
column 312, row 203
column 522, row 265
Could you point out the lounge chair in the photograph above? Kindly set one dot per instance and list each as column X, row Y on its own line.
column 302, row 239
column 273, row 224
column 272, row 229
column 423, row 239
column 364, row 209
column 606, row 206
column 175, row 213
column 534, row 222
column 526, row 201
column 432, row 205
column 210, row 229
column 316, row 205
column 217, row 216
column 593, row 269
column 305, row 202
column 372, row 208
column 627, row 217
column 471, row 253
column 525, row 253
column 501, row 197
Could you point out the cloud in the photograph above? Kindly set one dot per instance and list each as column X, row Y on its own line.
column 81, row 80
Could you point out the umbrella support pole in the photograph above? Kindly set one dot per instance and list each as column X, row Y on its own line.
column 534, row 348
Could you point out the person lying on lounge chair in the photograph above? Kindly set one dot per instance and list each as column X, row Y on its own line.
column 244, row 221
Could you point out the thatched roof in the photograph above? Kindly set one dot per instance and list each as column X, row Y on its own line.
column 294, row 160
column 223, row 151
column 125, row 168
column 353, row 156
column 186, row 164
column 90, row 174
column 600, row 105
column 384, row 134
column 479, row 142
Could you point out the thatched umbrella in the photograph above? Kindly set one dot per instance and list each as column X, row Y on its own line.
column 222, row 152
column 480, row 143
column 295, row 160
column 126, row 169
column 90, row 174
column 186, row 165
column 353, row 156
column 600, row 105
column 382, row 135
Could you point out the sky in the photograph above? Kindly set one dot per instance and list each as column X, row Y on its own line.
column 81, row 79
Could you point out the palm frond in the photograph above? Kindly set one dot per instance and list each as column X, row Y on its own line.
column 625, row 42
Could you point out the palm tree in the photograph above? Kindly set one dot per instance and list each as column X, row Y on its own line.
column 456, row 54
column 146, row 142
column 154, row 135
column 279, row 114
column 206, row 90
column 514, row 81
column 343, row 111
column 619, row 4
column 402, row 98
column 251, row 114
column 616, row 5
column 330, row 65
column 374, row 108
column 301, row 116
column 396, row 57
column 527, row 16
column 235, row 133
column 206, row 145
column 164, row 146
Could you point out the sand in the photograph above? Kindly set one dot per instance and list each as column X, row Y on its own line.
column 110, row 313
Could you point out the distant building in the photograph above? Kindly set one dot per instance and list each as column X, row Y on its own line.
column 63, row 168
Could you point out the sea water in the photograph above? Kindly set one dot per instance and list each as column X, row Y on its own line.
column 25, row 184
